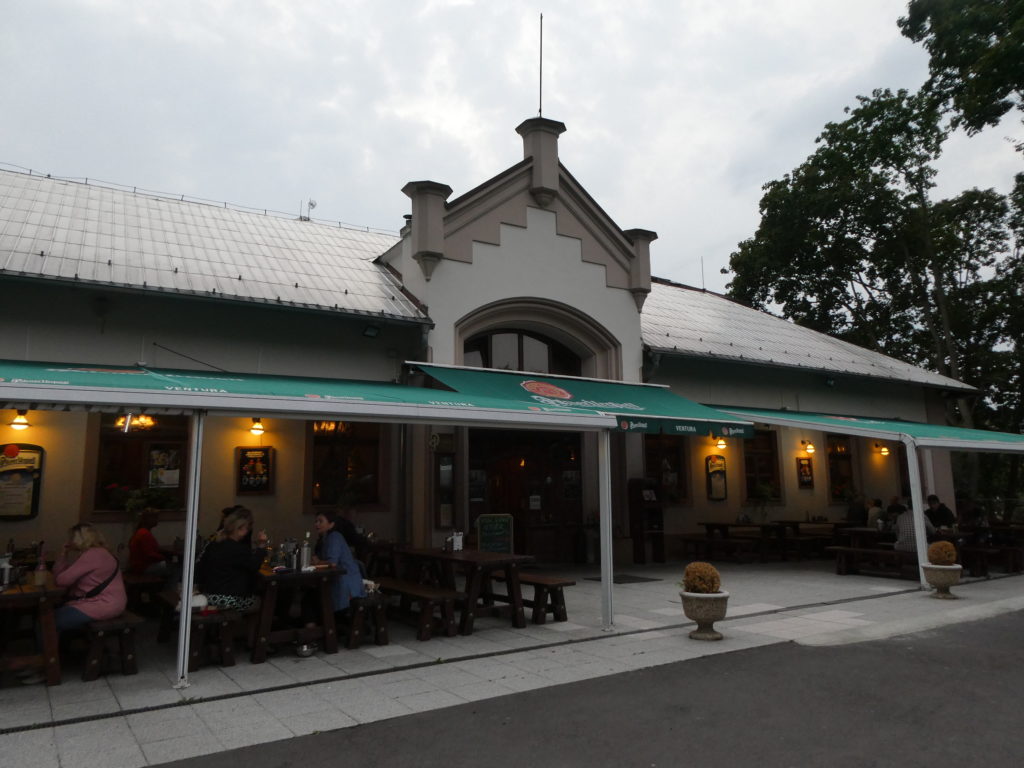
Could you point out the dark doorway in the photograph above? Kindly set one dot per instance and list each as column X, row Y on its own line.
column 536, row 478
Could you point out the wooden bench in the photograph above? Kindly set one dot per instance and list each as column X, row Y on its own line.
column 548, row 595
column 369, row 611
column 141, row 590
column 212, row 636
column 428, row 598
column 99, row 633
column 888, row 562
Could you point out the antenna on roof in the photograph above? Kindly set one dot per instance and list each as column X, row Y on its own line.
column 540, row 85
column 309, row 209
column 702, row 286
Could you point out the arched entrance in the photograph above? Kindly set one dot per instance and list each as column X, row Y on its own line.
column 545, row 480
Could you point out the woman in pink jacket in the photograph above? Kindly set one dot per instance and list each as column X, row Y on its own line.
column 92, row 577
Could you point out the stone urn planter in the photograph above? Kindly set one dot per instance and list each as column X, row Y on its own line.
column 704, row 600
column 942, row 577
column 942, row 571
column 705, row 608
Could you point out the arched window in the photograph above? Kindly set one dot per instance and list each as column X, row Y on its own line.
column 519, row 351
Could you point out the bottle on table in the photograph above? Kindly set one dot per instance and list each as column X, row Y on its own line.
column 42, row 573
column 306, row 553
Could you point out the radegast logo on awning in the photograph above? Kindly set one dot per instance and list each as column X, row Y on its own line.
column 632, row 426
column 551, row 394
column 728, row 431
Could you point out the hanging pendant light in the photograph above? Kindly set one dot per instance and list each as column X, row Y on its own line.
column 257, row 426
column 20, row 421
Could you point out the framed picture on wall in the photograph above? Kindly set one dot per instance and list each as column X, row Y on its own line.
column 804, row 473
column 21, row 470
column 254, row 470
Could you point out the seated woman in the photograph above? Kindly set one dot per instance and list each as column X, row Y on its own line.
column 332, row 548
column 92, row 576
column 144, row 554
column 227, row 570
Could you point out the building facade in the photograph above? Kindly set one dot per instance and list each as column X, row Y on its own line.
column 525, row 272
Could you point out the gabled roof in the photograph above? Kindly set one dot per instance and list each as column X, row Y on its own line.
column 91, row 234
column 678, row 320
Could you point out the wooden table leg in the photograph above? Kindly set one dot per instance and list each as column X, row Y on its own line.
column 472, row 595
column 515, row 594
column 259, row 647
column 327, row 616
column 51, row 648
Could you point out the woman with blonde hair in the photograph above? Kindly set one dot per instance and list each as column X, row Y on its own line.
column 92, row 577
column 226, row 572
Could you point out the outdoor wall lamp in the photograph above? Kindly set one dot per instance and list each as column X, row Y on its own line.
column 808, row 446
column 20, row 421
column 720, row 444
column 257, row 426
column 882, row 449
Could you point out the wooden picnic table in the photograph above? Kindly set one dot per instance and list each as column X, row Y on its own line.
column 768, row 534
column 270, row 584
column 41, row 601
column 478, row 566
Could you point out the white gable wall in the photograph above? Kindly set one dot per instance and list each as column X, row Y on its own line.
column 532, row 262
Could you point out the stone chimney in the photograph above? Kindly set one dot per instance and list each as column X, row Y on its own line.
column 640, row 269
column 426, row 227
column 540, row 142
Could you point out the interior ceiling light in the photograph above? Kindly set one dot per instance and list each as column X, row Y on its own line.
column 257, row 427
column 142, row 421
column 20, row 421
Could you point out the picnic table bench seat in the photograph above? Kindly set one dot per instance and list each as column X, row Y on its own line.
column 369, row 614
column 548, row 594
column 428, row 598
column 99, row 633
column 212, row 635
column 888, row 562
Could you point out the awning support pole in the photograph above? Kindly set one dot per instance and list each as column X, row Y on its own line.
column 917, row 505
column 188, row 562
column 604, row 492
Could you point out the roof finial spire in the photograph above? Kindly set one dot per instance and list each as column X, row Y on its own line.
column 540, row 87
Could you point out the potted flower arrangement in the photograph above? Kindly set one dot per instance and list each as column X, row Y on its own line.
column 704, row 600
column 942, row 571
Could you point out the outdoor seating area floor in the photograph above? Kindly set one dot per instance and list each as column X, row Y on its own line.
column 144, row 720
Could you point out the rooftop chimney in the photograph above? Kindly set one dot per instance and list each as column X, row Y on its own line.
column 540, row 142
column 427, row 222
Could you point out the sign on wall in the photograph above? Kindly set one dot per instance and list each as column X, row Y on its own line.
column 254, row 470
column 21, row 471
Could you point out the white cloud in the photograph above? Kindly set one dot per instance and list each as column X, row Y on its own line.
column 677, row 113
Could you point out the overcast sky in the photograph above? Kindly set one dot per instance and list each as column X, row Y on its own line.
column 677, row 112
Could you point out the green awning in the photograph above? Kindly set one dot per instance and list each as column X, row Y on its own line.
column 637, row 407
column 924, row 435
column 39, row 385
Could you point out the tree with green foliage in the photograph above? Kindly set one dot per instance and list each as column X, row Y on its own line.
column 976, row 50
column 852, row 243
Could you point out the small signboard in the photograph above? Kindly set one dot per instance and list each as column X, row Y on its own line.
column 21, row 469
column 494, row 533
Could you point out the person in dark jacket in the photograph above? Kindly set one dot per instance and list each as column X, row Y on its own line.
column 226, row 572
column 940, row 515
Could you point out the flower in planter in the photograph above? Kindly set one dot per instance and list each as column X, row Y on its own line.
column 701, row 577
column 942, row 553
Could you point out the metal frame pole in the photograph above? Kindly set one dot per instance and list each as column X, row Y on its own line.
column 188, row 565
column 605, row 510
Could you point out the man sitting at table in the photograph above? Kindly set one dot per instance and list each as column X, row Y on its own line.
column 940, row 515
column 905, row 539
column 144, row 554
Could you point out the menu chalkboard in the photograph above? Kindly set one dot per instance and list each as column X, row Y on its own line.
column 494, row 533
